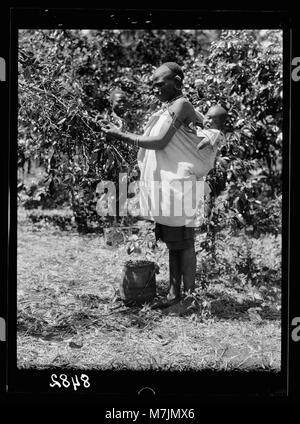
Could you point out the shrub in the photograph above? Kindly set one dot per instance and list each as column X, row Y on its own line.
column 65, row 79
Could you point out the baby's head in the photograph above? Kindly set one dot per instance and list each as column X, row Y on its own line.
column 215, row 118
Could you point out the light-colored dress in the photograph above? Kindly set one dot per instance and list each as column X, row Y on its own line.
column 172, row 179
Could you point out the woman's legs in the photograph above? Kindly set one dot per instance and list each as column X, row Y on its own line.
column 188, row 268
column 182, row 261
column 175, row 274
column 182, row 265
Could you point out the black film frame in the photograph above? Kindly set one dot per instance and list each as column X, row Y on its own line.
column 123, row 386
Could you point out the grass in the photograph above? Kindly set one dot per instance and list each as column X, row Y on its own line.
column 69, row 315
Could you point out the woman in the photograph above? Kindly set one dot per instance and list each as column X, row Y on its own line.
column 162, row 148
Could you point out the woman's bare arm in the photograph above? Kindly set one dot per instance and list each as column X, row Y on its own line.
column 181, row 111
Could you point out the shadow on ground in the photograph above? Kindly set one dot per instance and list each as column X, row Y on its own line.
column 223, row 305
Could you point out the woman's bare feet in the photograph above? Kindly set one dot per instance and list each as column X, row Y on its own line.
column 164, row 302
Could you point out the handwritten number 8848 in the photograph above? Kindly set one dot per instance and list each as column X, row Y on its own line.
column 66, row 383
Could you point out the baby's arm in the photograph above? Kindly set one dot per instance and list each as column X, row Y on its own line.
column 199, row 117
column 213, row 138
column 204, row 143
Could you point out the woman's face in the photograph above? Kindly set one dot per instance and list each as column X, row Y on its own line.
column 164, row 85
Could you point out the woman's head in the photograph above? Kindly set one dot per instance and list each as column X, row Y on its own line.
column 167, row 81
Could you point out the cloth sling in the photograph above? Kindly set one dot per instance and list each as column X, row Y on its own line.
column 172, row 179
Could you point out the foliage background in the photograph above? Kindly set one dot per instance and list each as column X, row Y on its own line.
column 66, row 76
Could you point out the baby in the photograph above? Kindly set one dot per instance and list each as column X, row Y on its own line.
column 211, row 136
column 213, row 125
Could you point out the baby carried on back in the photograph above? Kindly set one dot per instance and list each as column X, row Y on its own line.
column 210, row 138
column 189, row 156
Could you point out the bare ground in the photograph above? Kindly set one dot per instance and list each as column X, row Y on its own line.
column 68, row 315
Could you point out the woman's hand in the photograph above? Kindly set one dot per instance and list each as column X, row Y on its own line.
column 110, row 129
